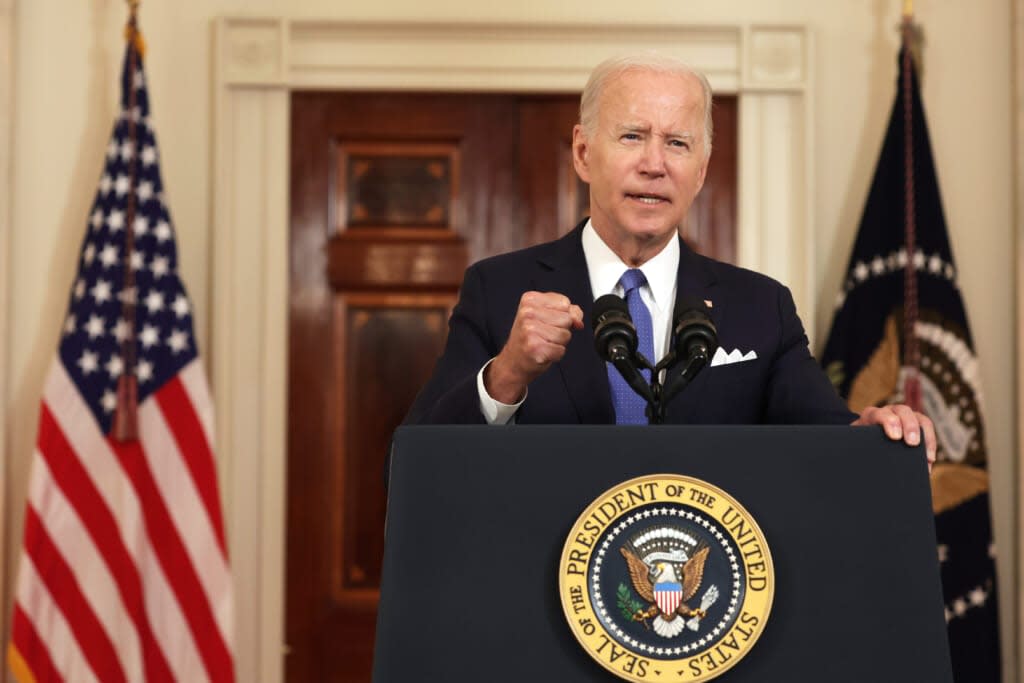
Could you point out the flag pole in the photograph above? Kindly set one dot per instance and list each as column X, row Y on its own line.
column 911, row 349
column 126, row 412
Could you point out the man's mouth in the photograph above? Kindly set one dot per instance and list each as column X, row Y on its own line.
column 645, row 198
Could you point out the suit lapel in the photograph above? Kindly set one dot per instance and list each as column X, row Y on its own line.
column 695, row 281
column 563, row 268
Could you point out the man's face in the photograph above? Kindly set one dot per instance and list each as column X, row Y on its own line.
column 645, row 160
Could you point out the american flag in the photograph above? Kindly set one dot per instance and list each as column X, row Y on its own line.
column 124, row 573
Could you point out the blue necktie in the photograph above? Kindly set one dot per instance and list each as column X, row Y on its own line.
column 630, row 408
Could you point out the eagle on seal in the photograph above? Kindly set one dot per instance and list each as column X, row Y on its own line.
column 658, row 585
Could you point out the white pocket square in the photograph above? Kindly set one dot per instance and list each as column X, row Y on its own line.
column 734, row 356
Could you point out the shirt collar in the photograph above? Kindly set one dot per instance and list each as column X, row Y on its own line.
column 605, row 269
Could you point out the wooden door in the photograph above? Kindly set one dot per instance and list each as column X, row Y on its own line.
column 392, row 196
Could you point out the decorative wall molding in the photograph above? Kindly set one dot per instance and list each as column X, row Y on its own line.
column 1018, row 124
column 260, row 60
column 778, row 59
column 253, row 52
column 6, row 218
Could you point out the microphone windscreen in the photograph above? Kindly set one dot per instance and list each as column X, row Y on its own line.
column 606, row 304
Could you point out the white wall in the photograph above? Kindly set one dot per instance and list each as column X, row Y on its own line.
column 6, row 87
column 67, row 59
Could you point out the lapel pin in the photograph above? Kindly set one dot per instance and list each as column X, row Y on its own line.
column 707, row 302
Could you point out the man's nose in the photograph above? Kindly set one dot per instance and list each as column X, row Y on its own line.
column 653, row 160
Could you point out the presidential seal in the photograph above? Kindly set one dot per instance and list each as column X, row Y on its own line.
column 666, row 578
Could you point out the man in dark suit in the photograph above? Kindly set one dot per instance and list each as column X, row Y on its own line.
column 517, row 350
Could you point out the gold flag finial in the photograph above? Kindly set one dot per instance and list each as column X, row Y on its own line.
column 912, row 36
column 131, row 29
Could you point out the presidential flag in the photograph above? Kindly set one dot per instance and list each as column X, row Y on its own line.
column 900, row 335
column 123, row 573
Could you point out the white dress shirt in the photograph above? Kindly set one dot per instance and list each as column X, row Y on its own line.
column 605, row 268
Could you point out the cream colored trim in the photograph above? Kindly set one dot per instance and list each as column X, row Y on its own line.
column 1018, row 110
column 6, row 213
column 259, row 60
column 249, row 363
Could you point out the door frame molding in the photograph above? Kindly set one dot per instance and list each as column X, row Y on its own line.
column 6, row 223
column 1018, row 442
column 258, row 61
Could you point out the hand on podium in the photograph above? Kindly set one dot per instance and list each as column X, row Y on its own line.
column 902, row 422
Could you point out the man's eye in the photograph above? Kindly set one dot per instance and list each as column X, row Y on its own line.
column 682, row 144
column 630, row 136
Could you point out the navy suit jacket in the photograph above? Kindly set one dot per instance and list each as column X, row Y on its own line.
column 752, row 312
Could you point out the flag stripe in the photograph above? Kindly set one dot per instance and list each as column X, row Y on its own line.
column 85, row 446
column 168, row 621
column 67, row 595
column 193, row 447
column 84, row 439
column 70, row 474
column 27, row 646
column 194, row 381
column 46, row 618
column 193, row 525
column 179, row 570
column 71, row 540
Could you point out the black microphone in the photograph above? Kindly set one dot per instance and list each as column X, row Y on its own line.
column 614, row 333
column 694, row 340
column 616, row 341
column 693, row 332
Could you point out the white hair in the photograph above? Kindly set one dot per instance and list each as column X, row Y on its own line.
column 644, row 61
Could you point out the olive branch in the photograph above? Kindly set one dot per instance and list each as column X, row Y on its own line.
column 627, row 604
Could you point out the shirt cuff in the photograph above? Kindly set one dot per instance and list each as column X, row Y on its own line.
column 495, row 412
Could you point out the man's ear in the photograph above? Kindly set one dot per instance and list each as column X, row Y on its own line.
column 581, row 153
column 703, row 174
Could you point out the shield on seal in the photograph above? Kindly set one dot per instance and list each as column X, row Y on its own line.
column 668, row 596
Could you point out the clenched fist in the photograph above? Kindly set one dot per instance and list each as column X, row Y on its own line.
column 542, row 328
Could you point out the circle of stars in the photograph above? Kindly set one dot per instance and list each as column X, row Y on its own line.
column 709, row 529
